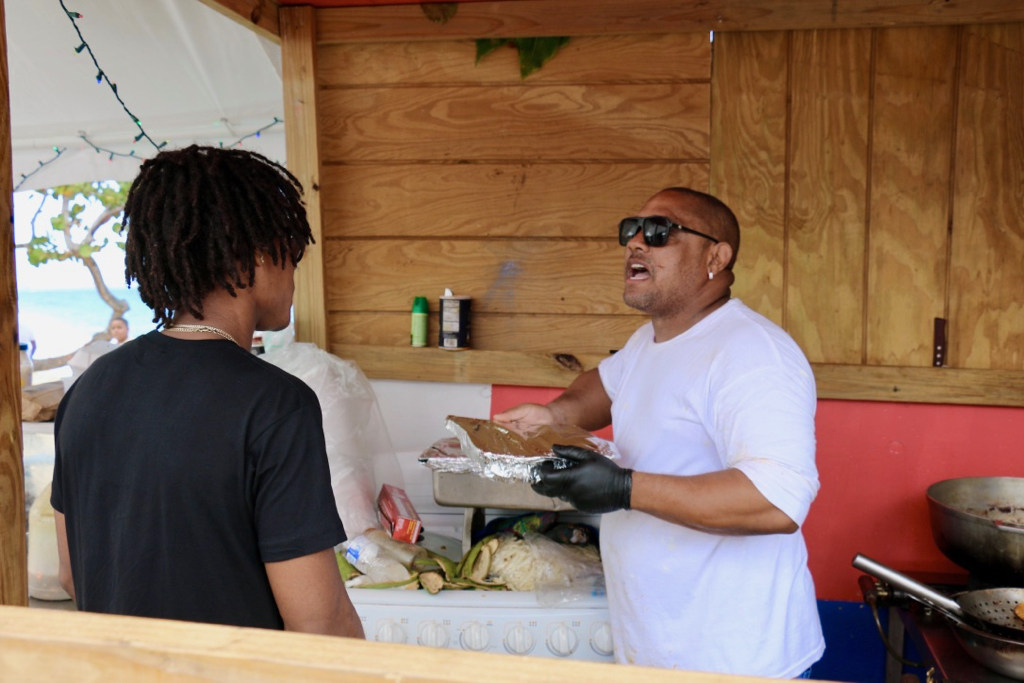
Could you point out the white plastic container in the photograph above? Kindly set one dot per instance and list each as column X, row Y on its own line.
column 43, row 561
column 26, row 365
column 373, row 561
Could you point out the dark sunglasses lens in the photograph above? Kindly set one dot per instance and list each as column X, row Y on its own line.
column 628, row 228
column 656, row 231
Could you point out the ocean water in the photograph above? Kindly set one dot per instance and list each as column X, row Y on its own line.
column 63, row 320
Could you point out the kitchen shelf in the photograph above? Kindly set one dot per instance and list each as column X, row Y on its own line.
column 834, row 381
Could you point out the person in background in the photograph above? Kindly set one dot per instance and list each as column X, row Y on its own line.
column 191, row 479
column 118, row 330
column 712, row 407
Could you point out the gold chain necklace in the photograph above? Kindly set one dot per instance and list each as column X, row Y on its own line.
column 202, row 328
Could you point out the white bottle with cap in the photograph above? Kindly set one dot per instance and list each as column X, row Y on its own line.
column 26, row 365
column 373, row 561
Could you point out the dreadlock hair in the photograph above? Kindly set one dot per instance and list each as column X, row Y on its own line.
column 196, row 220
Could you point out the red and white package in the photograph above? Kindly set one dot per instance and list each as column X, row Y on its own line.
column 397, row 515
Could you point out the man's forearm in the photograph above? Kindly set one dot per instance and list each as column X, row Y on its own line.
column 584, row 404
column 343, row 621
column 724, row 502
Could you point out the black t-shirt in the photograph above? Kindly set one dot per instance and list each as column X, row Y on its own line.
column 181, row 467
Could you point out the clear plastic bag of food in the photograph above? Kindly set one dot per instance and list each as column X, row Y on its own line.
column 557, row 572
column 504, row 454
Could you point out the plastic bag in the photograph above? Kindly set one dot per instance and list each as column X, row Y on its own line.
column 359, row 449
column 558, row 573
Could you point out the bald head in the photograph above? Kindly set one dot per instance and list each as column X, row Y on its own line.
column 720, row 219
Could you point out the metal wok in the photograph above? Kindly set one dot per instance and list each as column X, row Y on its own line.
column 990, row 611
column 978, row 523
column 999, row 654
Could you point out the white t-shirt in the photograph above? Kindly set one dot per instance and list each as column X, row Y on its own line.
column 732, row 391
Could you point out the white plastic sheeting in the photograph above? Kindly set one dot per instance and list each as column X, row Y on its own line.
column 187, row 72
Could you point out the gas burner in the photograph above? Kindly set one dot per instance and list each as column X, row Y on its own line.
column 944, row 658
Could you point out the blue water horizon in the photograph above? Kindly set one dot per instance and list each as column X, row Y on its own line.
column 63, row 320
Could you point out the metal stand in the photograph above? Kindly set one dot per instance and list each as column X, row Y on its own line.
column 473, row 521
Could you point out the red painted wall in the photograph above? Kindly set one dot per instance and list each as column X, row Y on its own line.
column 875, row 462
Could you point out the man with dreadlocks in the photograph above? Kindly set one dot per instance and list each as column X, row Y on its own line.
column 191, row 478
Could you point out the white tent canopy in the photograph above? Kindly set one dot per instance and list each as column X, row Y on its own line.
column 190, row 74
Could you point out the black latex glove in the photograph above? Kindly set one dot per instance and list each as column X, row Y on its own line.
column 589, row 482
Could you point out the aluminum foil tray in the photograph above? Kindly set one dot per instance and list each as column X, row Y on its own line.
column 500, row 452
column 471, row 490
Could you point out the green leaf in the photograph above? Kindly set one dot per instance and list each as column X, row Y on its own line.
column 40, row 250
column 535, row 52
column 485, row 46
column 87, row 250
column 117, row 227
column 120, row 245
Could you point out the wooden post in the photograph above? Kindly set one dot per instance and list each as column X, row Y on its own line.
column 298, row 67
column 13, row 555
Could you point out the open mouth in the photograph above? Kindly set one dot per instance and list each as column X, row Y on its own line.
column 637, row 271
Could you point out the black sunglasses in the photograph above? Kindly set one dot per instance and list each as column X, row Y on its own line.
column 655, row 230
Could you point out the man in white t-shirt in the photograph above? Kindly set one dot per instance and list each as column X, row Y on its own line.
column 713, row 411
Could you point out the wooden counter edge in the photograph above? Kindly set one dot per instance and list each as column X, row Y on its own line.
column 41, row 644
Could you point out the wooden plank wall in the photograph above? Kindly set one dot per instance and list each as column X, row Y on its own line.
column 437, row 173
column 895, row 158
column 876, row 173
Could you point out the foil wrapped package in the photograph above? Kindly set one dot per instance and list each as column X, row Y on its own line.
column 499, row 452
column 445, row 455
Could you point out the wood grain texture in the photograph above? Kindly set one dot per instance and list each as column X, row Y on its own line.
column 597, row 59
column 834, row 381
column 910, row 177
column 748, row 151
column 566, row 122
column 987, row 276
column 493, row 200
column 570, row 335
column 55, row 645
column 920, row 385
column 503, row 276
column 519, row 368
column 827, row 193
column 256, row 15
column 613, row 17
column 13, row 553
column 298, row 64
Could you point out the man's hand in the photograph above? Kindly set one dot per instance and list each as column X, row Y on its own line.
column 591, row 483
column 527, row 416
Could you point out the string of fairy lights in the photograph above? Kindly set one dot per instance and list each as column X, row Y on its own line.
column 101, row 78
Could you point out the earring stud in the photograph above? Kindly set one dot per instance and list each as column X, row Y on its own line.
column 711, row 275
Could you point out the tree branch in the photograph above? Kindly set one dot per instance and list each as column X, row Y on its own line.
column 100, row 222
column 66, row 214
